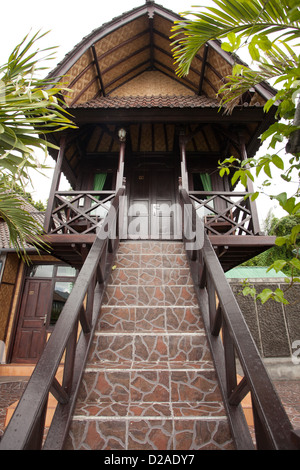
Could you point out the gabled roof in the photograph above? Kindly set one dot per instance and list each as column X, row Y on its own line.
column 136, row 42
column 123, row 74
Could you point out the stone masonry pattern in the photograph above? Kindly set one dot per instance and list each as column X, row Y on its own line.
column 149, row 383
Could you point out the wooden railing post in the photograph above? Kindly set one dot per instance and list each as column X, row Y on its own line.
column 250, row 188
column 54, row 184
column 120, row 173
column 184, row 173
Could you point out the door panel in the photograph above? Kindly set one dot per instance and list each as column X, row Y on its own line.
column 152, row 209
column 31, row 329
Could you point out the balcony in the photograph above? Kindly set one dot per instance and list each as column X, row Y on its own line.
column 72, row 222
column 226, row 213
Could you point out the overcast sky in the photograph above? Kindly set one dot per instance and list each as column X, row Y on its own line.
column 68, row 23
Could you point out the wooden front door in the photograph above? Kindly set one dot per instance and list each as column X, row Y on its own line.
column 31, row 330
column 153, row 208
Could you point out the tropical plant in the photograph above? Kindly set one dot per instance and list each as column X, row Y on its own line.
column 269, row 29
column 250, row 21
column 29, row 110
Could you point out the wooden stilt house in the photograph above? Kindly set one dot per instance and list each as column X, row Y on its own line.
column 143, row 168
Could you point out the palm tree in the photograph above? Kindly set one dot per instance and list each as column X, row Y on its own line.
column 29, row 110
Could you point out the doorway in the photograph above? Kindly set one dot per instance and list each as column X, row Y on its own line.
column 31, row 331
column 46, row 290
column 153, row 209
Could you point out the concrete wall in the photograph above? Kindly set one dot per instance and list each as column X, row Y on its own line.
column 275, row 327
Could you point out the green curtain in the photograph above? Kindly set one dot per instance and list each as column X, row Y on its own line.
column 206, row 181
column 99, row 181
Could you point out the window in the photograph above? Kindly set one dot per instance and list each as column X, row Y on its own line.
column 62, row 279
column 61, row 292
column 66, row 271
column 42, row 270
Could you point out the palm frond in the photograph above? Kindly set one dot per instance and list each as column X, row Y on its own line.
column 241, row 17
column 29, row 110
column 24, row 229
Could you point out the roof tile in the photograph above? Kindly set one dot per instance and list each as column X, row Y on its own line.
column 166, row 101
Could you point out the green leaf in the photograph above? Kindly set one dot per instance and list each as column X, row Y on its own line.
column 265, row 295
column 278, row 265
column 294, row 233
column 253, row 51
column 227, row 47
column 280, row 241
column 278, row 162
column 249, row 291
column 264, row 43
column 279, row 296
column 295, row 262
column 267, row 170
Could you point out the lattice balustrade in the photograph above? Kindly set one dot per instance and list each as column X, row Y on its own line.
column 224, row 213
column 81, row 212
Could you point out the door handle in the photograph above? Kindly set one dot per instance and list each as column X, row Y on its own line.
column 44, row 318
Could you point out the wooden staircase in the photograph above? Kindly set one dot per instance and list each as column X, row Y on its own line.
column 149, row 382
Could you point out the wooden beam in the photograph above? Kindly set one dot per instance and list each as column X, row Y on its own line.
column 68, row 240
column 125, row 59
column 96, row 62
column 142, row 66
column 243, row 241
column 203, row 69
column 151, row 42
column 171, row 115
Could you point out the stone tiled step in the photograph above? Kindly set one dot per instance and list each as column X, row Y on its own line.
column 151, row 276
column 153, row 347
column 154, row 319
column 153, row 409
column 150, row 433
column 150, row 247
column 149, row 386
column 163, row 295
column 150, row 261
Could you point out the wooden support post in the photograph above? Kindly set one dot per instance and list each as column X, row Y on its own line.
column 184, row 173
column 120, row 174
column 55, row 184
column 250, row 188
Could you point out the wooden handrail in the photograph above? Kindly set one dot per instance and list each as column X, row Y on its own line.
column 221, row 312
column 26, row 427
